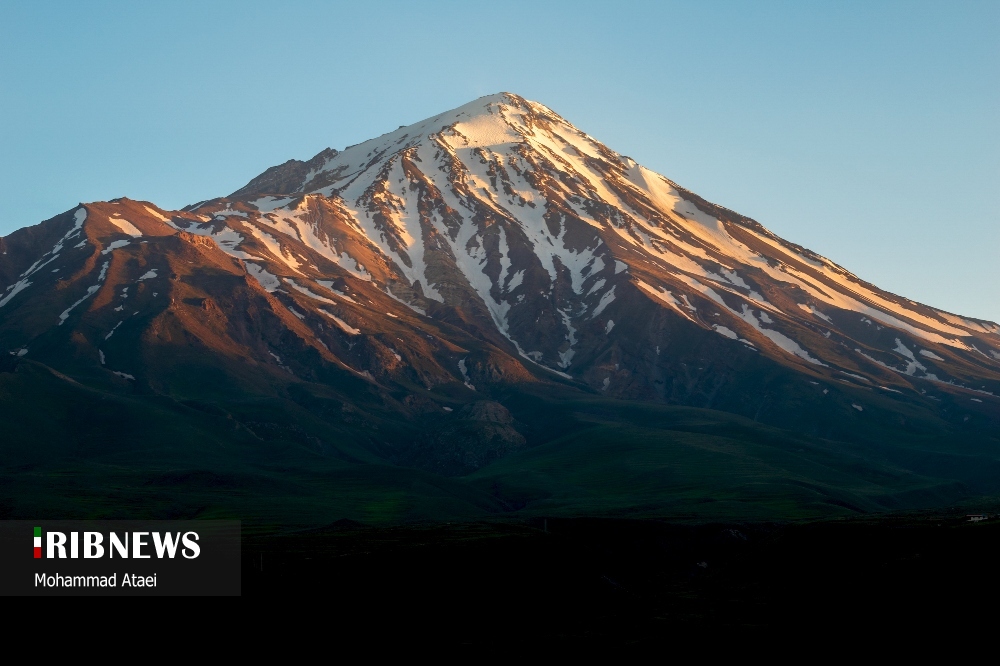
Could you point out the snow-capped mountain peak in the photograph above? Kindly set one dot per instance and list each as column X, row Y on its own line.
column 504, row 220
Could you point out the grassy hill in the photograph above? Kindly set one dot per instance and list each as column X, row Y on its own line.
column 75, row 451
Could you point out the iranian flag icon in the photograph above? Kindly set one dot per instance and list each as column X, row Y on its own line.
column 38, row 543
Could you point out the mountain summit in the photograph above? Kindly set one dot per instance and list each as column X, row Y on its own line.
column 502, row 206
column 489, row 247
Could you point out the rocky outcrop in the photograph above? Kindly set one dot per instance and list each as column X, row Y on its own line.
column 284, row 178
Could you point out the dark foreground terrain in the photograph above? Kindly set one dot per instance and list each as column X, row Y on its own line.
column 631, row 582
column 72, row 451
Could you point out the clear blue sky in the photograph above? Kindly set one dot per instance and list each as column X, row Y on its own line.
column 866, row 131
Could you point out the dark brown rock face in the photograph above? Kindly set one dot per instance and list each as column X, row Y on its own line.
column 284, row 178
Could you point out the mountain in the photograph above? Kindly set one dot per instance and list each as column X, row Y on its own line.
column 412, row 299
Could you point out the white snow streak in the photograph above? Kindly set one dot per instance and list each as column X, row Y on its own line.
column 90, row 292
column 307, row 292
column 344, row 326
column 125, row 226
column 329, row 285
column 112, row 332
column 722, row 330
column 114, row 245
column 465, row 374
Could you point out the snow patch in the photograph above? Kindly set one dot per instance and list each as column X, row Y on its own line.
column 913, row 364
column 811, row 310
column 329, row 285
column 114, row 245
column 14, row 290
column 465, row 374
column 849, row 374
column 666, row 297
column 305, row 290
column 268, row 281
column 112, row 332
column 90, row 292
column 78, row 218
column 345, row 260
column 566, row 357
column 782, row 341
column 157, row 215
column 344, row 326
column 125, row 226
column 516, row 279
column 606, row 299
column 722, row 330
column 228, row 212
column 270, row 204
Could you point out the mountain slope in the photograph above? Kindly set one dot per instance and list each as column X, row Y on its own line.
column 503, row 208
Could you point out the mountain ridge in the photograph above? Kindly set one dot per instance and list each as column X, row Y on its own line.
column 495, row 123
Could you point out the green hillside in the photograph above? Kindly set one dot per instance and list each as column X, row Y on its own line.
column 73, row 451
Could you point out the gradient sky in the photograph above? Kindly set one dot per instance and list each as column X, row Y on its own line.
column 866, row 131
